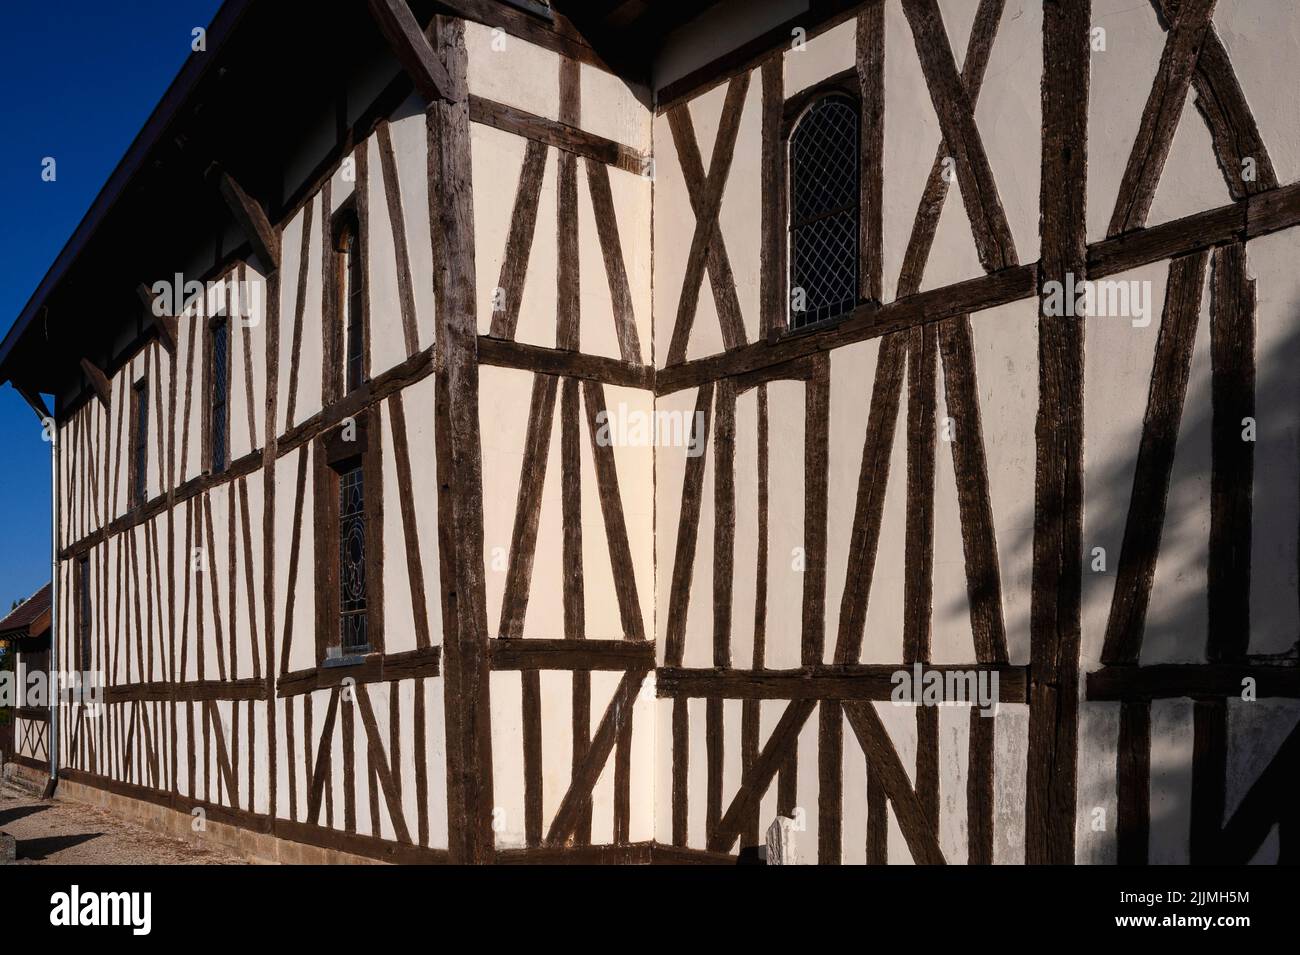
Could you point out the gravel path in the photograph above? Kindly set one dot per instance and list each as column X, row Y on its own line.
column 61, row 833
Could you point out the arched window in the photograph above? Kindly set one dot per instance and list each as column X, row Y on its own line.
column 824, row 202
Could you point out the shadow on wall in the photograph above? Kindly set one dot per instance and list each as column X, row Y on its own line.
column 1177, row 615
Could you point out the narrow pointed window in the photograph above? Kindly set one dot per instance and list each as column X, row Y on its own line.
column 824, row 207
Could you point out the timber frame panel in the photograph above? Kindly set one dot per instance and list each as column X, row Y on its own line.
column 196, row 698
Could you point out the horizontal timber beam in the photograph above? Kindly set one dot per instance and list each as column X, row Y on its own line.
column 530, row 653
column 1192, row 680
column 569, row 364
column 873, row 682
column 378, row 668
column 560, row 135
column 1248, row 218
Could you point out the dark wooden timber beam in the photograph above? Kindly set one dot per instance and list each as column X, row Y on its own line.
column 535, row 653
column 1191, row 680
column 33, row 398
column 250, row 215
column 412, row 49
column 828, row 682
column 165, row 323
column 98, row 381
column 1250, row 218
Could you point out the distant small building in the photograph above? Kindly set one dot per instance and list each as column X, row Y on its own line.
column 25, row 631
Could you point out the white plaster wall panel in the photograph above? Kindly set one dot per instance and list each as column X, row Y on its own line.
column 381, row 704
column 819, row 57
column 662, row 783
column 1191, row 180
column 557, row 741
column 1117, row 378
column 673, row 223
column 241, row 440
column 952, row 256
column 418, row 406
column 436, row 761
column 706, row 337
column 603, row 685
column 496, row 61
column 699, row 609
column 1010, row 749
column 615, row 108
column 399, row 619
column 1256, row 731
column 1262, row 40
column 744, row 577
column 951, row 639
column 911, row 139
column 308, row 387
column 1171, row 781
column 642, row 764
column 882, row 640
column 634, row 467
column 259, row 291
column 497, row 157
column 853, row 823
column 632, row 212
column 343, row 180
column 1176, row 622
column 504, row 397
column 259, row 800
column 1276, row 509
column 1120, row 81
column 409, row 132
column 387, row 339
column 697, row 773
column 785, row 583
column 732, row 764
column 403, row 763
column 1097, row 813
column 597, row 335
column 507, row 760
column 1005, row 346
column 740, row 218
column 852, row 375
column 806, row 791
column 302, row 644
column 332, row 798
column 290, row 265
column 189, row 397
column 1009, row 115
column 954, row 766
column 670, row 471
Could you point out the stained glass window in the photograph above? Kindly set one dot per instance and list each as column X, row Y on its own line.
column 352, row 561
column 140, row 442
column 824, row 212
column 219, row 420
column 353, row 299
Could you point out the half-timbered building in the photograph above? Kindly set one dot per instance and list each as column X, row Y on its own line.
column 978, row 326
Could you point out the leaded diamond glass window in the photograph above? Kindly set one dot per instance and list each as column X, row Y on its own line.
column 824, row 212
column 352, row 561
column 219, row 420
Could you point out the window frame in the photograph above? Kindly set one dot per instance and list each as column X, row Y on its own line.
column 334, row 455
column 348, row 265
column 138, row 459
column 210, row 372
column 844, row 87
column 83, row 612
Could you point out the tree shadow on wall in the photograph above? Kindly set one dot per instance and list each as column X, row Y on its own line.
column 1177, row 615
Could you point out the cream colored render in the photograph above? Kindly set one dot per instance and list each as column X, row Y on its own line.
column 655, row 225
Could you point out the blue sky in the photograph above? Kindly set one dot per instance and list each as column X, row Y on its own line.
column 82, row 77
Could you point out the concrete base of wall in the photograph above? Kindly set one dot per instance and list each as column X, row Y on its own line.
column 26, row 778
column 258, row 847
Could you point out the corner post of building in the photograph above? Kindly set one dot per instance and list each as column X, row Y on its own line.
column 459, row 459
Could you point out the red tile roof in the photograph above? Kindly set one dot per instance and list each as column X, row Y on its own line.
column 22, row 616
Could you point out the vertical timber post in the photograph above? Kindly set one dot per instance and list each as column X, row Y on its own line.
column 1058, row 479
column 459, row 462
